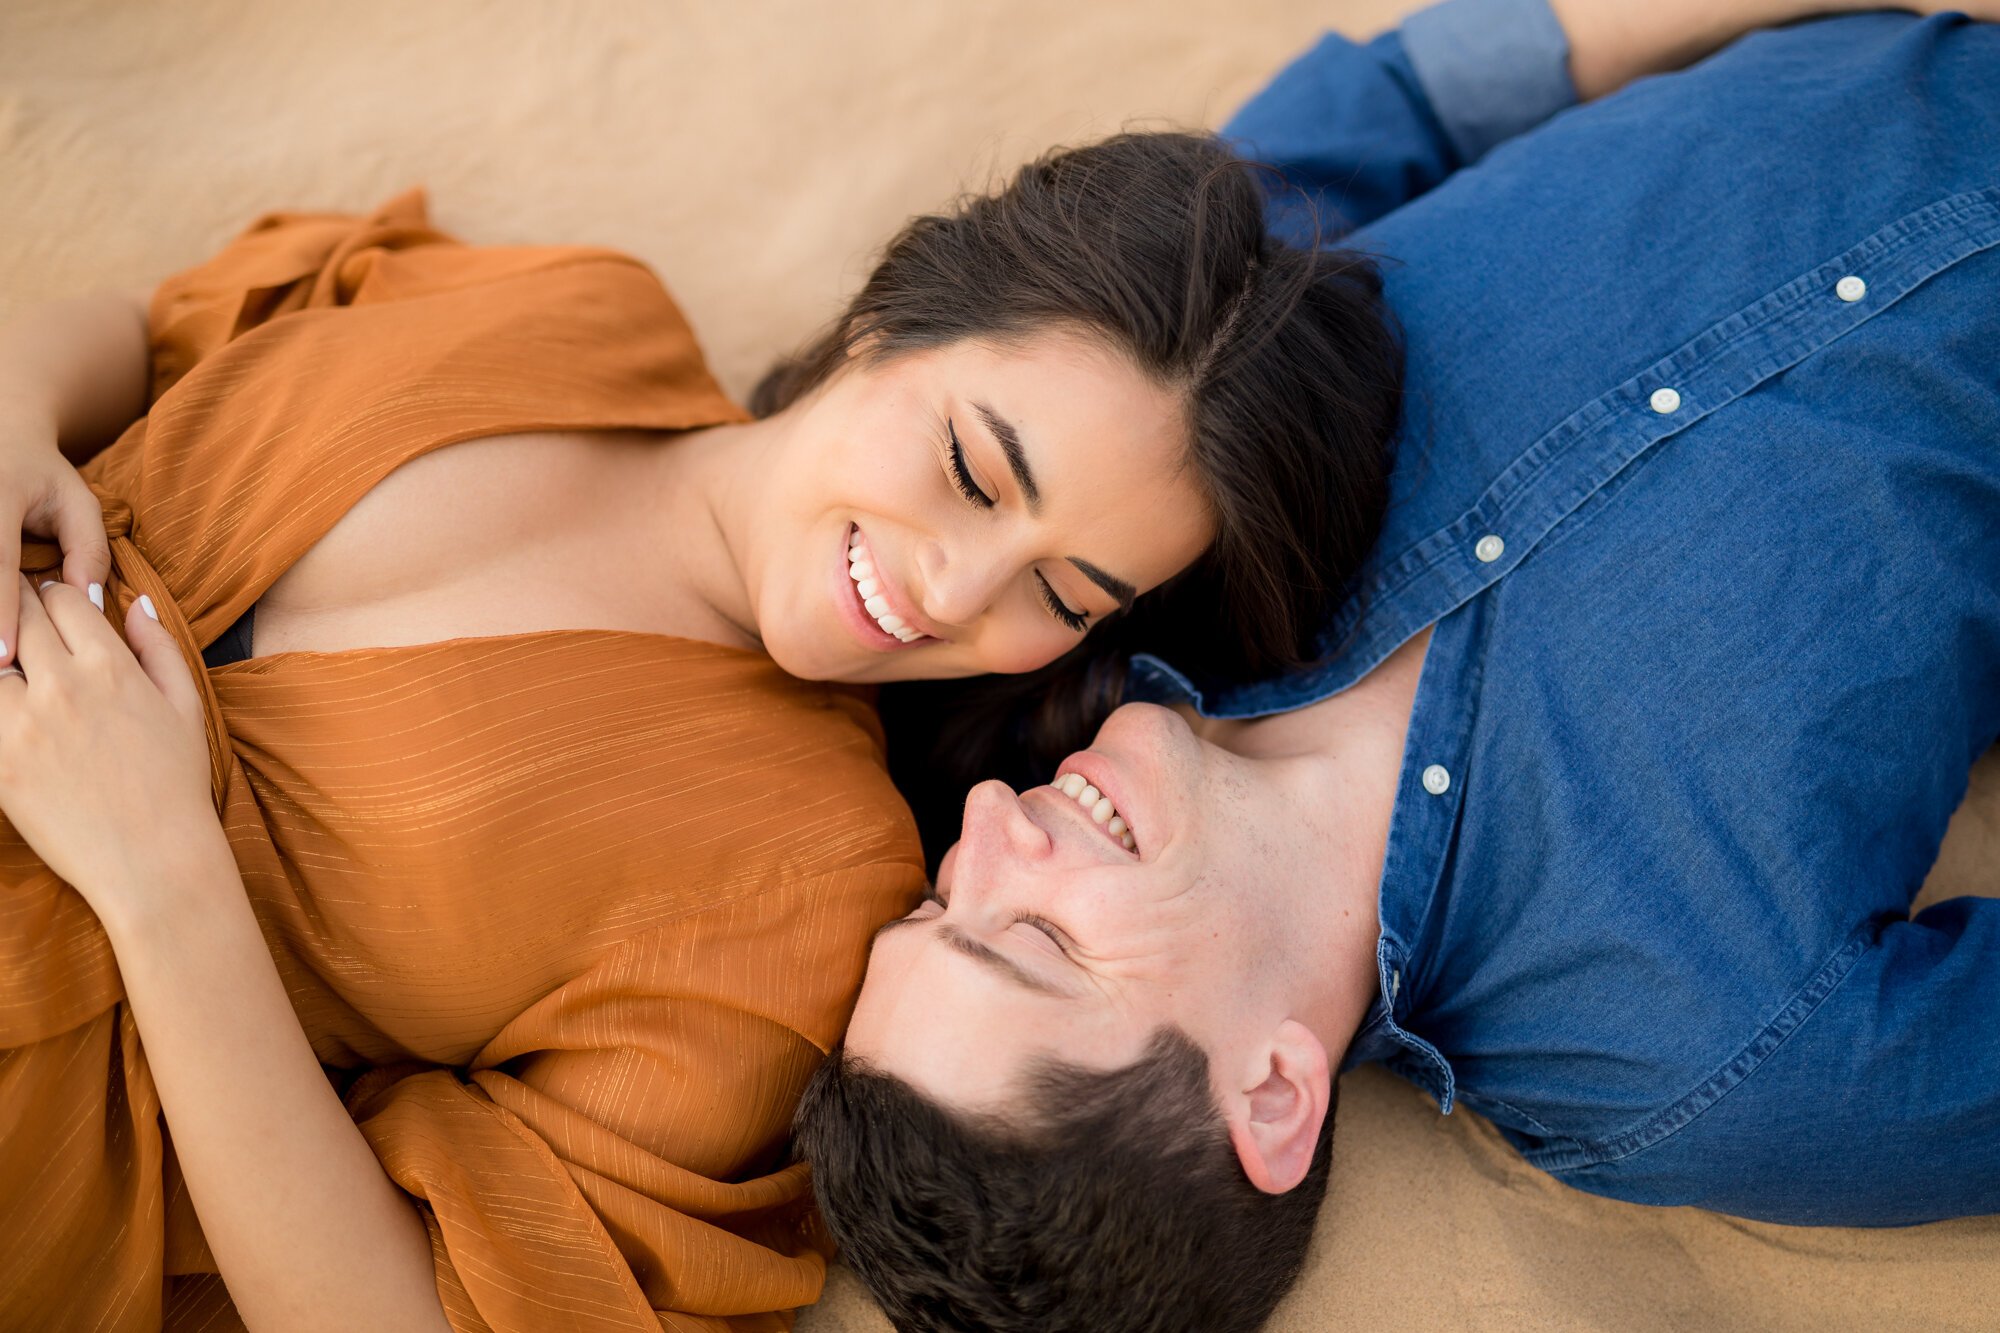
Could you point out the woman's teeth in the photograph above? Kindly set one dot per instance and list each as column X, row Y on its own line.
column 862, row 570
column 1096, row 803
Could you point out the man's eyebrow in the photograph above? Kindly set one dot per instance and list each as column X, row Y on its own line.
column 1111, row 583
column 888, row 926
column 996, row 960
column 1017, row 458
column 972, row 948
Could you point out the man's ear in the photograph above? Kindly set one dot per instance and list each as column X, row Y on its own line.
column 1274, row 1126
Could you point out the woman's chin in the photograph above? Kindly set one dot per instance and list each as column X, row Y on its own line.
column 813, row 657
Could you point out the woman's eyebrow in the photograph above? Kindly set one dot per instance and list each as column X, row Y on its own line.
column 1017, row 458
column 1111, row 583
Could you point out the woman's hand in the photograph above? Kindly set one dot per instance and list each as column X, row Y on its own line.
column 42, row 493
column 103, row 754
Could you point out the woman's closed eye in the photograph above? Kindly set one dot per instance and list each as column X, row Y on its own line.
column 960, row 473
column 1075, row 620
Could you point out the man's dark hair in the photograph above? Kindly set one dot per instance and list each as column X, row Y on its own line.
column 1112, row 1202
column 1289, row 372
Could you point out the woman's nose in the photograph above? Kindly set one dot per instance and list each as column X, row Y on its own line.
column 960, row 582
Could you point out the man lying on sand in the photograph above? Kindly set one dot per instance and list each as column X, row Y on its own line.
column 1634, row 741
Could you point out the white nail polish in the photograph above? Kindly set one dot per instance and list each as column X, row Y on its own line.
column 46, row 585
column 97, row 595
column 146, row 605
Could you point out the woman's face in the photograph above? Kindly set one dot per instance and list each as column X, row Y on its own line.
column 971, row 508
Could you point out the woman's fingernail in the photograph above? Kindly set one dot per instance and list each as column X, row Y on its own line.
column 46, row 585
column 97, row 595
column 146, row 605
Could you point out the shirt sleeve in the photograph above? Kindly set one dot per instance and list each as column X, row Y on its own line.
column 282, row 263
column 1492, row 69
column 1354, row 131
column 1873, row 1100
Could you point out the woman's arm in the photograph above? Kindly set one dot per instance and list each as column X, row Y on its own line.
column 77, row 370
column 105, row 773
column 73, row 376
column 307, row 1229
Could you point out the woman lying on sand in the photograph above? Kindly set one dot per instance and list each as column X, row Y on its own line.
column 546, row 859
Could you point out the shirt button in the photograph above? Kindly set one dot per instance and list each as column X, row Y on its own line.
column 1490, row 548
column 1850, row 288
column 1436, row 780
column 1665, row 401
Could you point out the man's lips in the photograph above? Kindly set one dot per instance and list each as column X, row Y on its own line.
column 1095, row 771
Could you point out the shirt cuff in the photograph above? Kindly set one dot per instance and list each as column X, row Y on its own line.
column 1491, row 68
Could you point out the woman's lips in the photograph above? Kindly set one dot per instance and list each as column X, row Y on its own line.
column 869, row 603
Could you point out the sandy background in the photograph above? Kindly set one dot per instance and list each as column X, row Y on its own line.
column 755, row 153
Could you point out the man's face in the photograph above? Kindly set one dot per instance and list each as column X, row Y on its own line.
column 1046, row 936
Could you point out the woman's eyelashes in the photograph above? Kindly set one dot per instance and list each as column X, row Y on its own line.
column 1075, row 620
column 962, row 481
column 961, row 475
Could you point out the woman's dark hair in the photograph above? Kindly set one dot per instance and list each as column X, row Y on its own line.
column 1111, row 1201
column 1154, row 243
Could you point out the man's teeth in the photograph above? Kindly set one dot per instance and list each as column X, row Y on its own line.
column 862, row 570
column 1097, row 803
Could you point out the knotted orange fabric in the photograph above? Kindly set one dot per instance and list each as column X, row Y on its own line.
column 569, row 916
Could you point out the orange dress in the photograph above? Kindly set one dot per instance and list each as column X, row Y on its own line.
column 569, row 917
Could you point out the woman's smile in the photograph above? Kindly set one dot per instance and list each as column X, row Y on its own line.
column 874, row 608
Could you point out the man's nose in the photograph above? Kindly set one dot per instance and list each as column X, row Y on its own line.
column 996, row 840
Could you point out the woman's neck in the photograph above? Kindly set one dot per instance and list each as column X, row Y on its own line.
column 688, row 529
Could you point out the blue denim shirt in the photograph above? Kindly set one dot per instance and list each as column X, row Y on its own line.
column 1699, row 487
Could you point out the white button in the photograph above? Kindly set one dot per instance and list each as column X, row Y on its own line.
column 1436, row 781
column 1395, row 982
column 1665, row 401
column 1850, row 288
column 1490, row 548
